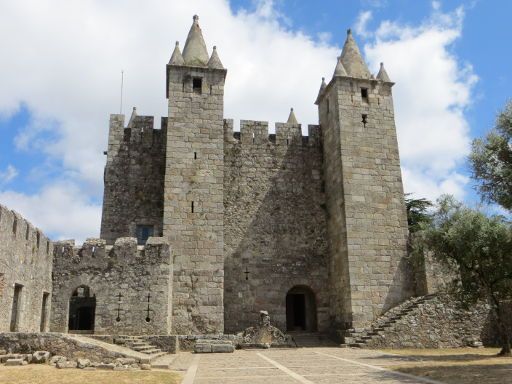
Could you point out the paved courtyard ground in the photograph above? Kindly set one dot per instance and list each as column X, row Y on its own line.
column 347, row 366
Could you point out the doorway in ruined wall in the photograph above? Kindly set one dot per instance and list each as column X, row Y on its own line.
column 82, row 310
column 301, row 309
column 16, row 308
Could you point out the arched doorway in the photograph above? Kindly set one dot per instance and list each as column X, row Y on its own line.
column 82, row 310
column 301, row 309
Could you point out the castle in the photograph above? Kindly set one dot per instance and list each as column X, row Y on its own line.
column 203, row 227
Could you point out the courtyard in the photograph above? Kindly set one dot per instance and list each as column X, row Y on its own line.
column 304, row 365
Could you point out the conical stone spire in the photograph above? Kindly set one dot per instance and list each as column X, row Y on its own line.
column 292, row 119
column 214, row 61
column 322, row 87
column 194, row 52
column 352, row 60
column 132, row 118
column 340, row 69
column 176, row 57
column 383, row 75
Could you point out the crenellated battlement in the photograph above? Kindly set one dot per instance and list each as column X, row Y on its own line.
column 140, row 131
column 254, row 132
column 23, row 232
column 96, row 254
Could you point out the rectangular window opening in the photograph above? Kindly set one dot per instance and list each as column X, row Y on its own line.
column 197, row 85
column 364, row 94
column 143, row 232
column 27, row 232
column 38, row 238
column 211, row 89
column 14, row 225
column 195, row 155
column 192, row 207
column 47, row 247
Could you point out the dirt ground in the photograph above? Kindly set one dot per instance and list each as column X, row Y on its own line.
column 45, row 374
column 456, row 366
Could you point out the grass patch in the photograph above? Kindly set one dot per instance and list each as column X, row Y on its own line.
column 455, row 366
column 45, row 374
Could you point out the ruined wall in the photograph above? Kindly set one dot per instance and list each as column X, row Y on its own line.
column 367, row 217
column 193, row 200
column 124, row 268
column 134, row 177
column 25, row 260
column 274, row 222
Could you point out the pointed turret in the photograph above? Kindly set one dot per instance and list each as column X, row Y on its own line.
column 194, row 52
column 292, row 119
column 176, row 57
column 132, row 118
column 383, row 75
column 322, row 87
column 340, row 69
column 214, row 61
column 352, row 60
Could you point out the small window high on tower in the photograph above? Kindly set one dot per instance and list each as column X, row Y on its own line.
column 197, row 85
column 364, row 94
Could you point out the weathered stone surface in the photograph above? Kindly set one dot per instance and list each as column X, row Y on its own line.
column 83, row 363
column 25, row 274
column 106, row 366
column 145, row 367
column 40, row 357
column 203, row 347
column 108, row 271
column 64, row 364
column 125, row 361
column 223, row 348
column 264, row 335
column 14, row 362
column 55, row 359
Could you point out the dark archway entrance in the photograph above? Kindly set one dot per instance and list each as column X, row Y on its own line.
column 82, row 310
column 301, row 309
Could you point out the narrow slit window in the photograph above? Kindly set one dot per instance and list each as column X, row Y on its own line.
column 197, row 85
column 14, row 225
column 183, row 89
column 364, row 94
column 27, row 233
column 38, row 237
column 364, row 119
column 195, row 155
column 211, row 89
column 192, row 206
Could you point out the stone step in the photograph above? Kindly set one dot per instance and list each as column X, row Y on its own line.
column 356, row 345
column 151, row 351
column 143, row 348
column 15, row 362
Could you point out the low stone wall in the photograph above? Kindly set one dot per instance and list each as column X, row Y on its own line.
column 187, row 342
column 56, row 344
column 439, row 323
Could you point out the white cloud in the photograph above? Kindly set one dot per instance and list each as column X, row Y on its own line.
column 433, row 89
column 361, row 26
column 8, row 174
column 61, row 210
column 63, row 59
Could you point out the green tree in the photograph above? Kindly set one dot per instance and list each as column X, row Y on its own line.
column 479, row 249
column 491, row 161
column 417, row 212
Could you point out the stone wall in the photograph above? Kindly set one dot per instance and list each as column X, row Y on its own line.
column 274, row 222
column 64, row 345
column 125, row 268
column 193, row 198
column 367, row 216
column 440, row 322
column 25, row 268
column 134, row 177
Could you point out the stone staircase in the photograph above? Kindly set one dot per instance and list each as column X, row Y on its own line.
column 137, row 343
column 311, row 339
column 360, row 337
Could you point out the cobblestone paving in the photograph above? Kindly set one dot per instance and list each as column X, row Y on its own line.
column 304, row 365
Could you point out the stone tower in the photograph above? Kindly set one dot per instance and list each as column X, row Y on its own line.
column 193, row 218
column 367, row 223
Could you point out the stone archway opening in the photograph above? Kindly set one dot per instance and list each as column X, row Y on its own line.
column 301, row 309
column 82, row 310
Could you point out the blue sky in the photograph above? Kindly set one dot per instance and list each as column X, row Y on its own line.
column 62, row 61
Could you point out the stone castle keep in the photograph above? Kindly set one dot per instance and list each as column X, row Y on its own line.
column 203, row 227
